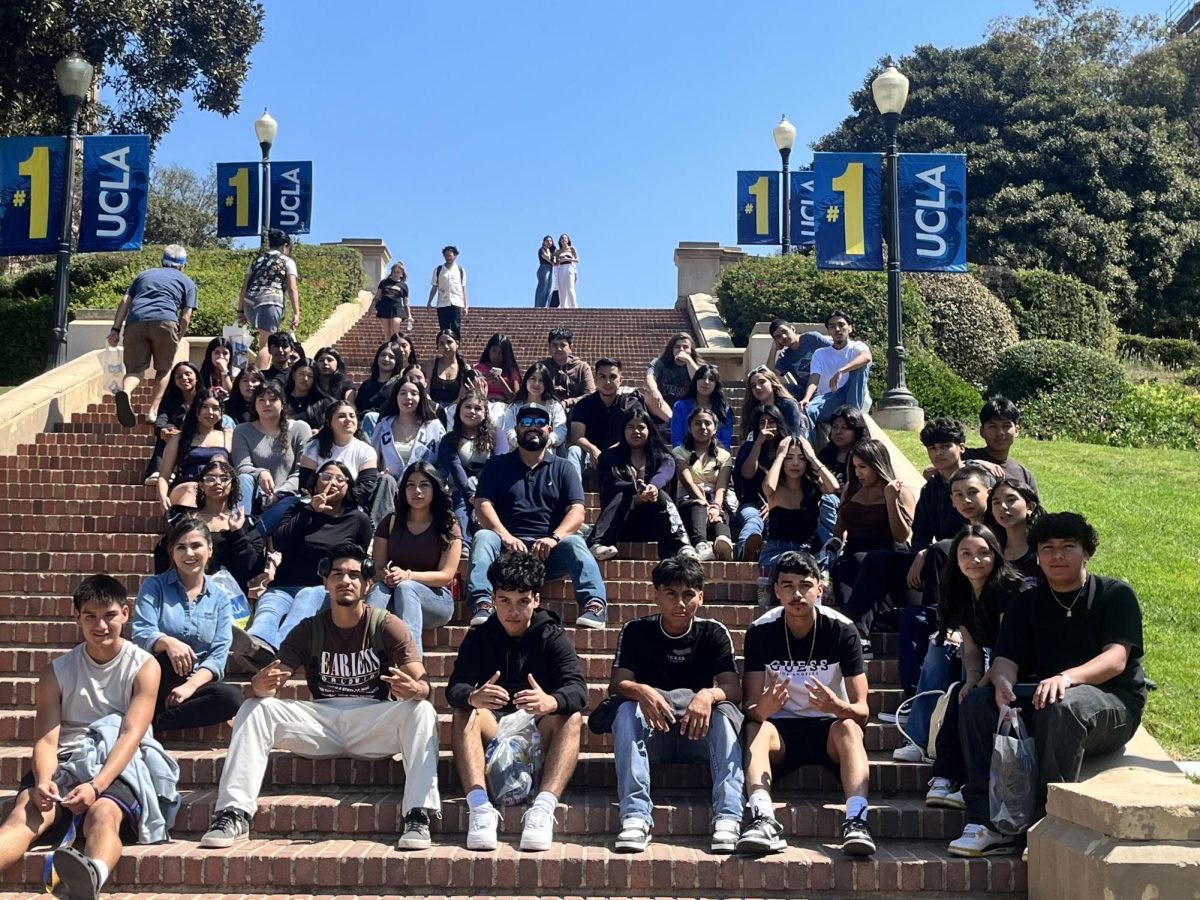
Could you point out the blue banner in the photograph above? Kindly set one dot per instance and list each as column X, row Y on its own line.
column 846, row 207
column 31, row 185
column 291, row 196
column 758, row 208
column 238, row 199
column 933, row 212
column 116, row 172
column 804, row 229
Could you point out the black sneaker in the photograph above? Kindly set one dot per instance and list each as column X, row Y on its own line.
column 416, row 831
column 77, row 875
column 764, row 834
column 868, row 651
column 229, row 827
column 125, row 414
column 856, row 836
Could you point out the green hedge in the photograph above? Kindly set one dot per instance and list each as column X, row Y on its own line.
column 1171, row 353
column 1050, row 306
column 935, row 385
column 328, row 276
column 1153, row 414
column 971, row 325
column 763, row 287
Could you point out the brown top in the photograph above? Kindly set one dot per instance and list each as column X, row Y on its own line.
column 866, row 523
column 418, row 552
column 348, row 665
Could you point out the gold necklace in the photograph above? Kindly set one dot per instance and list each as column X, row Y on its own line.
column 1078, row 594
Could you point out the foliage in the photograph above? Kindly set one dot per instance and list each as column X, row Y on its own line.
column 970, row 325
column 1058, row 307
column 762, row 287
column 1080, row 128
column 939, row 390
column 1062, row 389
column 1171, row 353
column 1153, row 414
column 145, row 55
column 328, row 276
column 181, row 208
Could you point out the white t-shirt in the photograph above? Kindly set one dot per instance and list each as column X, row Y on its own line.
column 355, row 456
column 827, row 360
column 451, row 284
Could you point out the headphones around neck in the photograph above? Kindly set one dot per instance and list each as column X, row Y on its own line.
column 326, row 565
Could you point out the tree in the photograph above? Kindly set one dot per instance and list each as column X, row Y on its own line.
column 181, row 208
column 146, row 53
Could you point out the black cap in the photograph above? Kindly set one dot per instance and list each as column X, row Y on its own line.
column 530, row 407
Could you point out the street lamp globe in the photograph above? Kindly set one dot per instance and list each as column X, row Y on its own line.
column 784, row 134
column 890, row 90
column 74, row 76
column 265, row 128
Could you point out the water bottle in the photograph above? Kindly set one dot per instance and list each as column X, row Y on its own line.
column 408, row 326
column 766, row 595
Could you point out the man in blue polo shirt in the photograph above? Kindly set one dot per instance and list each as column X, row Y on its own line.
column 530, row 500
column 794, row 351
column 156, row 312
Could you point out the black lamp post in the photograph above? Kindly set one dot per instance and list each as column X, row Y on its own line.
column 74, row 76
column 890, row 90
column 785, row 136
column 264, row 129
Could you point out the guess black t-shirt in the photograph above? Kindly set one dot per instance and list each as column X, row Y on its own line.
column 692, row 660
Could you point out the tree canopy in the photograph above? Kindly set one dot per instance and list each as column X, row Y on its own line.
column 181, row 208
column 1079, row 125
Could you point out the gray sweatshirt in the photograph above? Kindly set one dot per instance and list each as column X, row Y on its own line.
column 254, row 451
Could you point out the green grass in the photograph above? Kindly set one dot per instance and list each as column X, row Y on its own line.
column 1143, row 504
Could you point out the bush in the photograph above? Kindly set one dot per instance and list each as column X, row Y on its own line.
column 27, row 321
column 1171, row 353
column 1153, row 414
column 1050, row 306
column 970, row 324
column 940, row 390
column 763, row 287
column 1192, row 378
column 1062, row 389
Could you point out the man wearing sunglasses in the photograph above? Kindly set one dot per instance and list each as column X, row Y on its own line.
column 530, row 500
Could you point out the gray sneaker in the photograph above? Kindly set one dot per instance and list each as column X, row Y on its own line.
column 416, row 831
column 594, row 615
column 229, row 827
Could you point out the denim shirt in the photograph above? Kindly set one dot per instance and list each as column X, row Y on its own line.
column 162, row 608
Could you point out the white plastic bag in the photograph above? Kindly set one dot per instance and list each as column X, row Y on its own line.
column 514, row 759
column 239, row 336
column 112, row 362
column 1012, row 785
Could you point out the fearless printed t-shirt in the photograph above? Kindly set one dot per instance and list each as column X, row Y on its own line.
column 348, row 665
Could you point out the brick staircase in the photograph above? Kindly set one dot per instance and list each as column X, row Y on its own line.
column 71, row 503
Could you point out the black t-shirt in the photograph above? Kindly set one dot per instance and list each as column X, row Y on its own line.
column 830, row 654
column 393, row 291
column 602, row 424
column 982, row 617
column 828, row 457
column 692, row 660
column 1043, row 640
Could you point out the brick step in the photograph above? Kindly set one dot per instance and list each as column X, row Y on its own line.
column 120, row 518
column 52, row 443
column 103, row 422
column 78, row 494
column 588, row 866
column 56, row 541
column 49, row 473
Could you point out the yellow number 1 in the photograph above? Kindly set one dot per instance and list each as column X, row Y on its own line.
column 761, row 192
column 37, row 167
column 850, row 185
column 240, row 182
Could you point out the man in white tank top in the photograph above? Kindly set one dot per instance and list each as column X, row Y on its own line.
column 105, row 674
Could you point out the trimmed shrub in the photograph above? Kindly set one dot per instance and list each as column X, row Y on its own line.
column 1050, row 306
column 940, row 390
column 763, row 287
column 1153, row 414
column 1171, row 353
column 970, row 324
column 1063, row 390
column 1192, row 378
column 27, row 322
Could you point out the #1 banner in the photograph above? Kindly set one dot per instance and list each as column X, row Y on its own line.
column 847, row 208
column 31, row 185
column 758, row 207
column 238, row 199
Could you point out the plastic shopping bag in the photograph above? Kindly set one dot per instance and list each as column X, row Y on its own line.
column 239, row 336
column 112, row 361
column 1012, row 787
column 514, row 759
column 239, row 605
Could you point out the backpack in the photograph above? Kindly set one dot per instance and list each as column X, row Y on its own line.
column 462, row 276
column 268, row 274
column 373, row 638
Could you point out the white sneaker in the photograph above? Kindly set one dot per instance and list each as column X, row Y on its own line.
column 723, row 548
column 481, row 828
column 704, row 551
column 979, row 840
column 939, row 790
column 538, row 833
column 603, row 551
column 688, row 551
column 725, row 835
column 910, row 753
column 634, row 836
column 954, row 800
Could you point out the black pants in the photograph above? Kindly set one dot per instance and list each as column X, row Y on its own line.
column 882, row 574
column 450, row 317
column 622, row 520
column 695, row 522
column 845, row 572
column 212, row 703
column 936, row 557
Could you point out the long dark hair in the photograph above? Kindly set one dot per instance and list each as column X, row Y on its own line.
column 301, row 363
column 339, row 381
column 191, row 422
column 395, row 348
column 689, row 443
column 667, row 357
column 235, row 489
column 349, row 502
column 450, row 332
column 655, row 451
column 810, row 481
column 412, row 359
column 1032, row 500
column 325, row 434
column 441, row 508
column 424, row 411
column 272, row 387
column 236, row 407
column 872, row 453
column 719, row 406
column 501, row 340
column 206, row 368
column 485, row 440
column 173, row 396
column 955, row 594
column 766, row 454
column 854, row 420
column 539, row 369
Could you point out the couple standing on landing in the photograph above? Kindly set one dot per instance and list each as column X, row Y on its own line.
column 557, row 273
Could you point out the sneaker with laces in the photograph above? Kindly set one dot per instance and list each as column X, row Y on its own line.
column 229, row 827
column 704, row 552
column 939, row 793
column 538, row 833
column 979, row 841
column 634, row 836
column 603, row 551
column 78, row 878
column 482, row 824
column 868, row 652
column 594, row 615
column 253, row 652
column 723, row 548
column 689, row 552
column 415, row 835
column 481, row 612
column 725, row 835
column 856, row 836
column 909, row 753
column 954, row 800
column 764, row 834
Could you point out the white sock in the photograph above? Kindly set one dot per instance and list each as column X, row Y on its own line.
column 855, row 807
column 760, row 804
column 477, row 798
column 101, row 869
column 546, row 800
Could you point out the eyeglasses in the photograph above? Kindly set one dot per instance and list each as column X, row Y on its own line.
column 533, row 421
column 339, row 480
column 216, row 479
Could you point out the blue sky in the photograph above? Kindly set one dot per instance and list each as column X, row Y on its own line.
column 487, row 125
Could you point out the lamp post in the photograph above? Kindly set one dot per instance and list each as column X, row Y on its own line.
column 264, row 129
column 890, row 90
column 785, row 136
column 74, row 76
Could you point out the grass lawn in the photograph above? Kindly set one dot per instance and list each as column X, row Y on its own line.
column 1143, row 504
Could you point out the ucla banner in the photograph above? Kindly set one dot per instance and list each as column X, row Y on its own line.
column 291, row 196
column 237, row 199
column 933, row 212
column 116, row 174
column 758, row 208
column 31, row 184
column 804, row 230
column 847, row 211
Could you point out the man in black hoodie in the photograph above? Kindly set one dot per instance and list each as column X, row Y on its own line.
column 519, row 659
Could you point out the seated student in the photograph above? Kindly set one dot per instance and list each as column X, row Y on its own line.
column 498, row 364
column 673, row 668
column 1076, row 636
column 999, row 425
column 704, row 392
column 531, row 500
column 332, row 383
column 763, row 388
column 598, row 420
column 764, row 432
column 185, row 620
column 444, row 372
column 536, row 388
column 416, row 375
column 793, row 487
column 1013, row 508
column 846, row 428
column 669, row 376
column 279, row 347
column 839, row 372
column 804, row 687
column 408, row 431
column 355, row 659
column 407, row 355
column 570, row 377
column 241, row 399
column 305, row 402
column 340, row 440
column 202, row 438
column 635, row 504
column 793, row 353
column 703, row 469
column 183, row 382
column 372, row 392
column 462, row 454
column 520, row 659
column 267, row 452
column 102, row 677
column 217, row 372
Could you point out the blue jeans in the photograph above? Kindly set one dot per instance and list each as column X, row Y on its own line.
column 270, row 518
column 419, row 606
column 462, row 512
column 827, row 517
column 635, row 744
column 579, row 458
column 570, row 557
column 940, row 669
column 748, row 521
column 282, row 608
column 851, row 392
column 916, row 624
column 545, row 285
column 369, row 421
